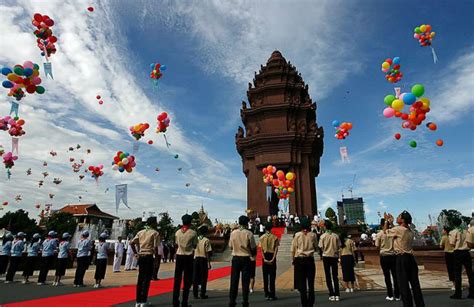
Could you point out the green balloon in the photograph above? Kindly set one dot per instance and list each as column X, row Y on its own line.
column 417, row 30
column 18, row 70
column 36, row 67
column 40, row 89
column 389, row 99
column 418, row 90
column 412, row 144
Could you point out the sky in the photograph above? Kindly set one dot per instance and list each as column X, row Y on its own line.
column 211, row 50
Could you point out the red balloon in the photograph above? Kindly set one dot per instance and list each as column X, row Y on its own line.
column 90, row 9
column 38, row 17
column 150, row 142
column 439, row 143
column 31, row 88
column 398, row 136
column 98, row 96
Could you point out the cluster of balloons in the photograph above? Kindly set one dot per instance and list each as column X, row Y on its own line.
column 424, row 35
column 45, row 38
column 157, row 70
column 342, row 129
column 163, row 122
column 96, row 171
column 284, row 184
column 123, row 161
column 16, row 126
column 9, row 160
column 138, row 131
column 21, row 77
column 391, row 68
column 268, row 174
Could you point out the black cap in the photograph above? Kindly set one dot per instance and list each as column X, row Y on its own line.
column 151, row 221
column 202, row 229
column 305, row 223
column 268, row 226
column 186, row 219
column 243, row 220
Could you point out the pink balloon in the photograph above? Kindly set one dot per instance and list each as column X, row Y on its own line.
column 28, row 64
column 416, row 35
column 388, row 112
column 36, row 81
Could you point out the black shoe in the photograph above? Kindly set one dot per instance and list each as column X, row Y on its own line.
column 471, row 296
column 204, row 297
column 272, row 298
column 456, row 297
column 196, row 297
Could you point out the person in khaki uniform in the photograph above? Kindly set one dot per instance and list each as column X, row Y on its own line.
column 186, row 241
column 269, row 245
column 242, row 244
column 330, row 243
column 303, row 246
column 347, row 252
column 147, row 240
column 448, row 254
column 388, row 262
column 407, row 268
column 202, row 263
column 460, row 238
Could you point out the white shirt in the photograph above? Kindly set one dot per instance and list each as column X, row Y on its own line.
column 119, row 247
column 374, row 235
column 262, row 228
column 364, row 236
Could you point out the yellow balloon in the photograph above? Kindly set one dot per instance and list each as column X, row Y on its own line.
column 397, row 105
column 385, row 65
column 290, row 176
column 433, row 34
column 291, row 190
column 423, row 28
column 12, row 77
column 36, row 73
column 425, row 100
column 120, row 164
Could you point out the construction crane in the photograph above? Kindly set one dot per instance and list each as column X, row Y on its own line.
column 351, row 187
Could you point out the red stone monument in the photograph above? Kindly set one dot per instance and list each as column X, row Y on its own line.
column 280, row 129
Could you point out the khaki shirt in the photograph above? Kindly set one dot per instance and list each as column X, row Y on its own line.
column 470, row 238
column 269, row 243
column 329, row 243
column 458, row 239
column 186, row 241
column 448, row 248
column 385, row 243
column 203, row 247
column 349, row 248
column 403, row 239
column 148, row 241
column 304, row 244
column 242, row 242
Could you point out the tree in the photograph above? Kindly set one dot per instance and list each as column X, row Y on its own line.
column 165, row 226
column 19, row 221
column 446, row 217
column 331, row 215
column 135, row 226
column 61, row 222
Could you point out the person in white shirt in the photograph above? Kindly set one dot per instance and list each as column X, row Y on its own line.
column 119, row 249
column 130, row 261
column 157, row 261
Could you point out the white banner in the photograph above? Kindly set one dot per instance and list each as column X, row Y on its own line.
column 121, row 195
column 344, row 154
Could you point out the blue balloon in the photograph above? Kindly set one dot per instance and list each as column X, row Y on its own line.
column 6, row 71
column 121, row 169
column 335, row 123
column 28, row 72
column 152, row 65
column 7, row 84
column 409, row 99
column 127, row 154
column 396, row 60
column 163, row 67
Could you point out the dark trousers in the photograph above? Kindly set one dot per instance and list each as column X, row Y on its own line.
column 30, row 266
column 82, row 265
column 407, row 275
column 462, row 258
column 183, row 270
column 239, row 265
column 46, row 263
column 145, row 272
column 201, row 269
column 389, row 265
column 269, row 275
column 330, row 271
column 14, row 264
column 156, row 267
column 3, row 263
column 307, row 270
column 449, row 258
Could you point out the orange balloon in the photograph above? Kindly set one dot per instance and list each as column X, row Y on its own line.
column 349, row 126
column 439, row 143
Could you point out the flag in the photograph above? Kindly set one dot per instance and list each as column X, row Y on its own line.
column 397, row 91
column 121, row 195
column 48, row 69
column 136, row 147
column 344, row 155
column 435, row 57
column 14, row 108
column 15, row 145
column 269, row 192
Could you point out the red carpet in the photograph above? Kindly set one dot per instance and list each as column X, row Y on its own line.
column 117, row 295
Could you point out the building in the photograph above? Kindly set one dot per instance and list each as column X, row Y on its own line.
column 350, row 211
column 280, row 129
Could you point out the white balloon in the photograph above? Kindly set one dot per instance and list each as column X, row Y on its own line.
column 115, row 167
column 125, row 161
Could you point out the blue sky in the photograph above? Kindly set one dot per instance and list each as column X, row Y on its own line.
column 211, row 50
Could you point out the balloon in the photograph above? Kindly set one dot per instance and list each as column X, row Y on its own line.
column 418, row 90
column 409, row 98
column 335, row 123
column 90, row 9
column 40, row 89
column 397, row 105
column 439, row 142
column 290, row 176
column 412, row 143
column 150, row 142
column 432, row 126
column 388, row 112
column 391, row 68
column 5, row 71
column 389, row 99
column 7, row 84
column 397, row 136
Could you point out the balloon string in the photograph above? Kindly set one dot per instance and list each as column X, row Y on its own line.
column 45, row 53
column 166, row 140
column 435, row 57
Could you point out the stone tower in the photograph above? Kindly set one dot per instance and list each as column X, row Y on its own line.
column 280, row 129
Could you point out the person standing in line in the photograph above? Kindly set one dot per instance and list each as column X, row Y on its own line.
column 303, row 246
column 448, row 255
column 253, row 271
column 101, row 259
column 157, row 261
column 166, row 250
column 461, row 239
column 186, row 242
column 406, row 266
column 32, row 257
column 202, row 263
column 18, row 245
column 129, row 258
column 64, row 255
column 119, row 249
column 50, row 245
column 388, row 262
column 347, row 262
column 269, row 245
column 84, row 247
column 5, row 253
column 330, row 244
column 172, row 252
column 242, row 244
column 147, row 240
